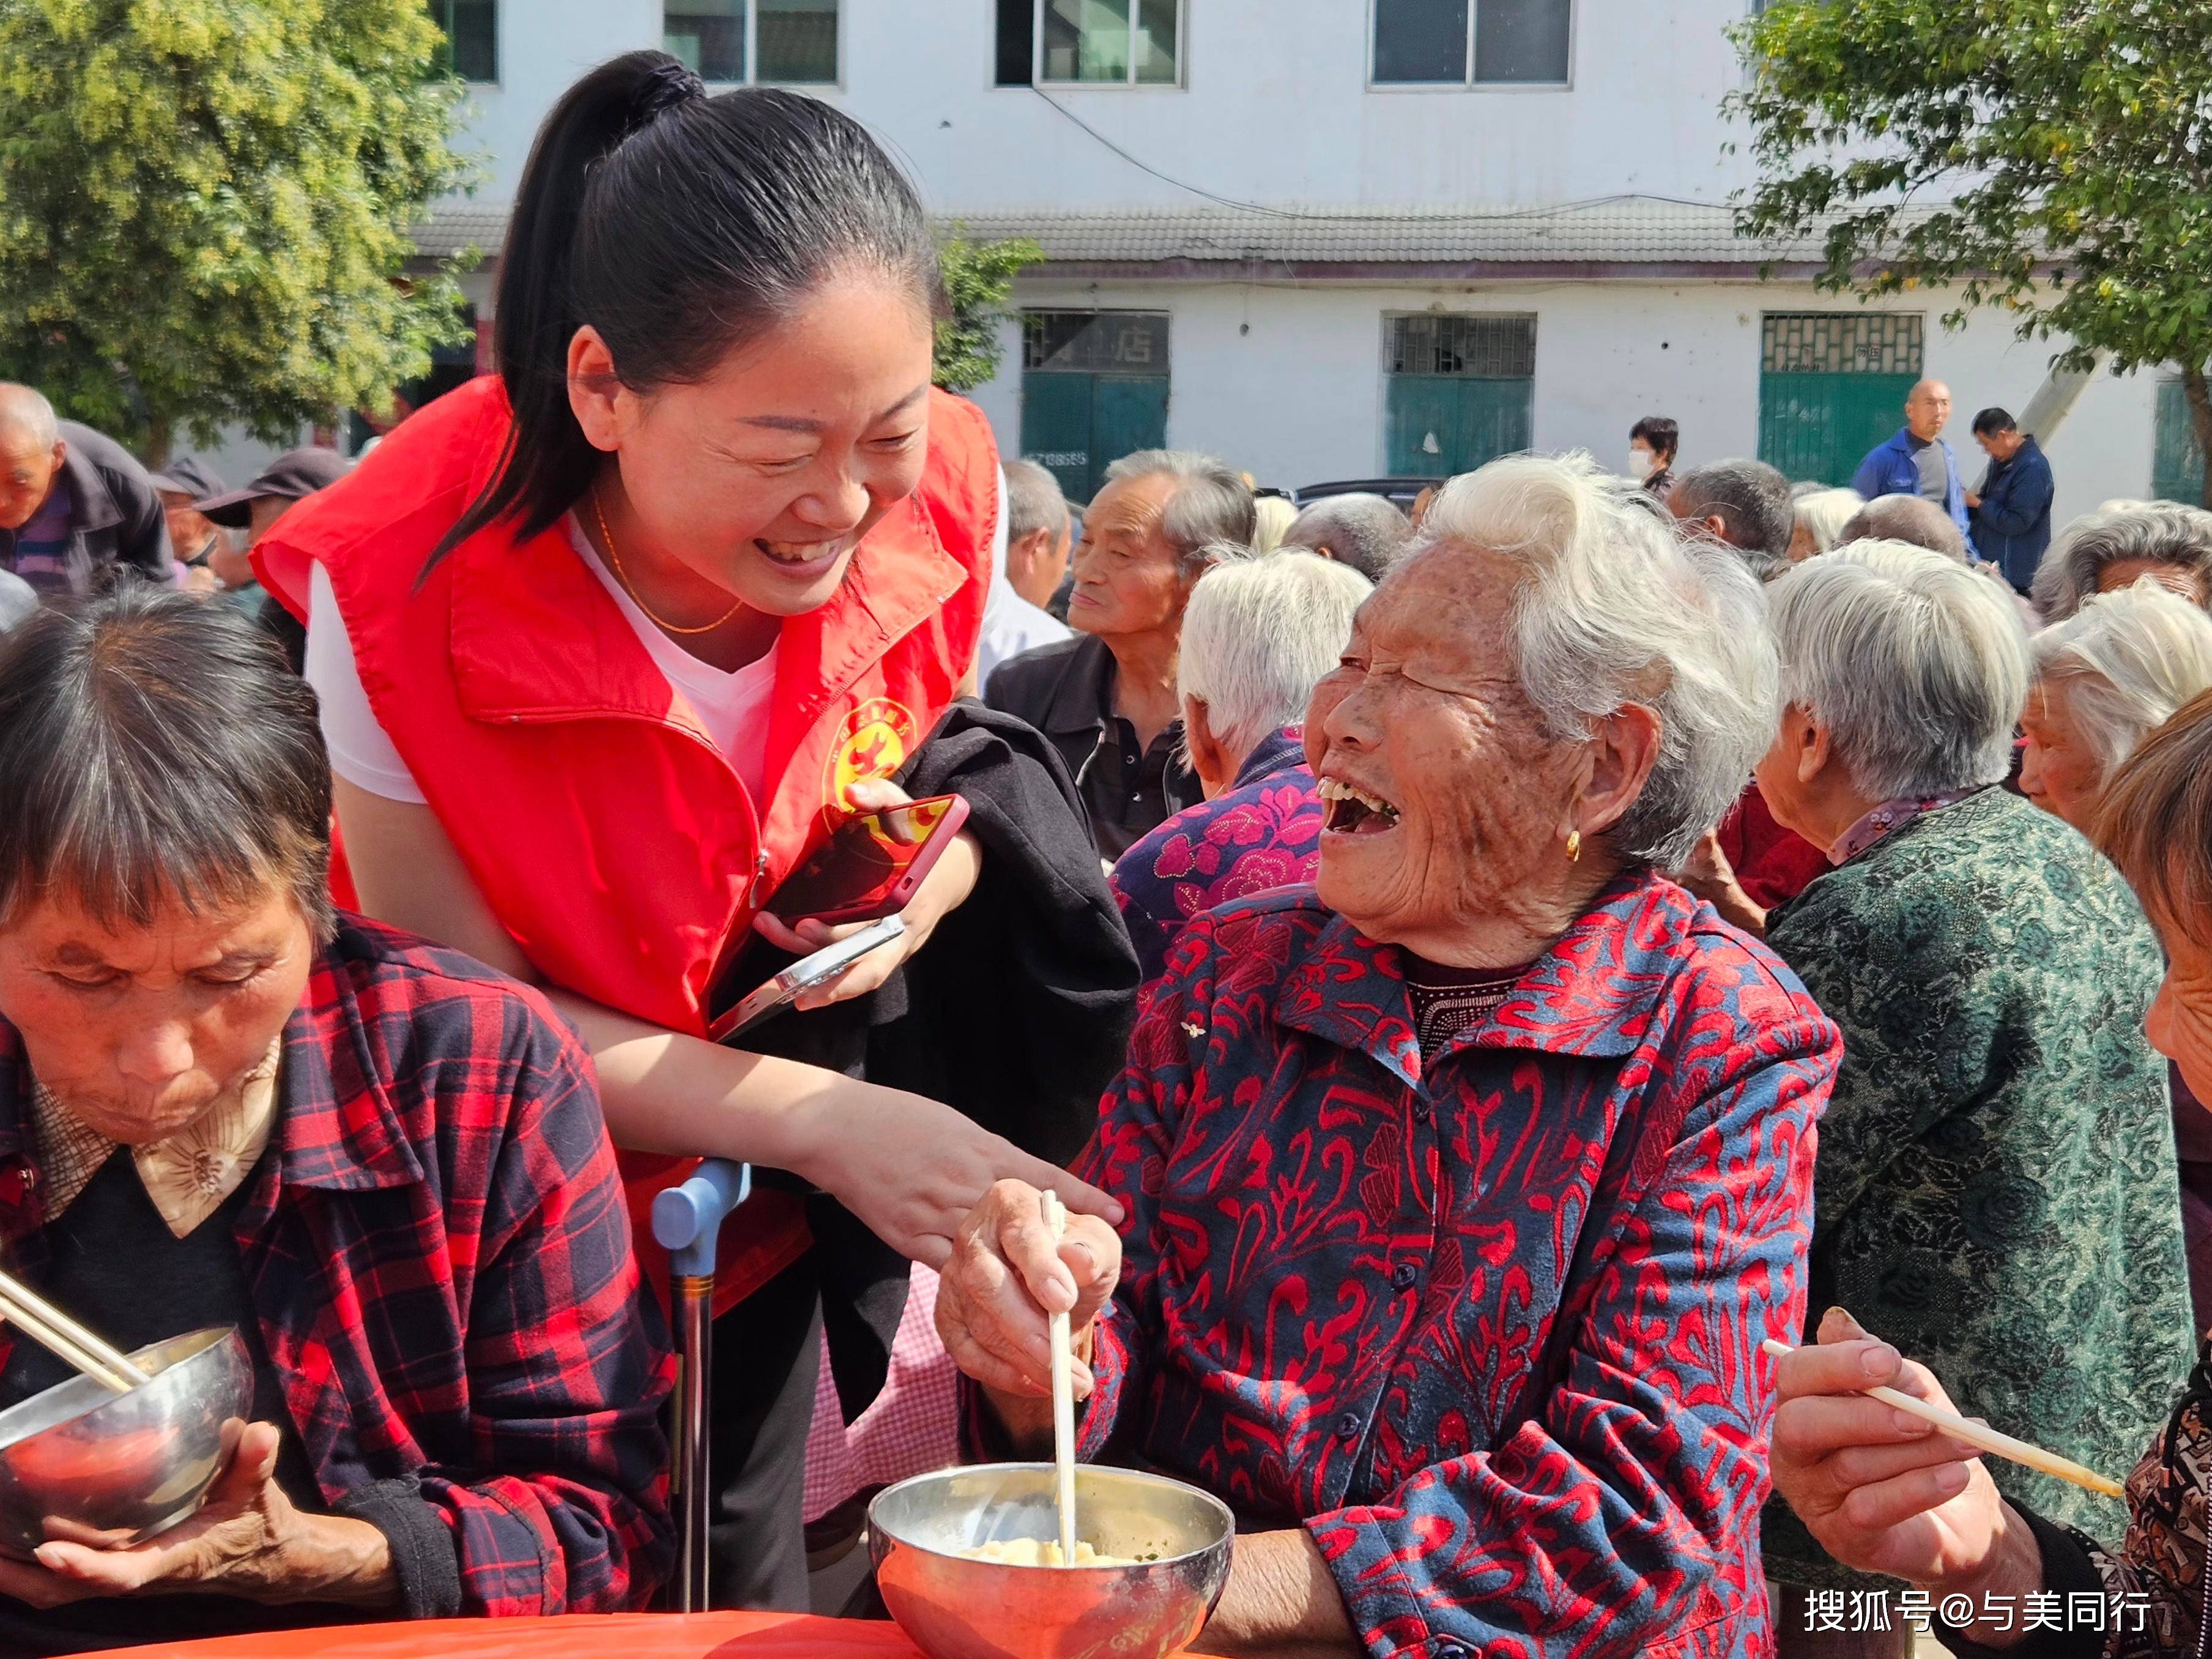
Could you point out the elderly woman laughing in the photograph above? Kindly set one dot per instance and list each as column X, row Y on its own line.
column 1463, row 1186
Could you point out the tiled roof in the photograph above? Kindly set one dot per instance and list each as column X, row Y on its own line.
column 1625, row 230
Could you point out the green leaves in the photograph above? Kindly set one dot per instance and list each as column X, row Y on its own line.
column 978, row 278
column 205, row 209
column 2053, row 157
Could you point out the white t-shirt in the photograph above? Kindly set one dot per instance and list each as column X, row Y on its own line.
column 733, row 708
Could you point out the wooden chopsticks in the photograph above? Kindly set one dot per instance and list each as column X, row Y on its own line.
column 54, row 1330
column 1983, row 1438
column 1063, row 1396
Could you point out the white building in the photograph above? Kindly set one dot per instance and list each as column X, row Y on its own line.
column 1332, row 239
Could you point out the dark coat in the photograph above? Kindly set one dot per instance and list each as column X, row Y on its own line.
column 115, row 516
column 2012, row 526
column 1018, row 1012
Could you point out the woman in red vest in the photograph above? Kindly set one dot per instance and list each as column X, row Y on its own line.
column 606, row 643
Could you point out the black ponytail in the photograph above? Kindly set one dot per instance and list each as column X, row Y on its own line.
column 679, row 226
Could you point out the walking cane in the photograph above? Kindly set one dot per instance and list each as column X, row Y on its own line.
column 687, row 1219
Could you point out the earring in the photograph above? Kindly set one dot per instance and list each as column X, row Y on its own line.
column 1574, row 846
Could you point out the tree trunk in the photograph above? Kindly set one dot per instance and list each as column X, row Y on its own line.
column 160, row 434
column 2199, row 395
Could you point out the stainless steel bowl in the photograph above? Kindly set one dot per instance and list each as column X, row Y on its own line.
column 955, row 1608
column 80, row 1463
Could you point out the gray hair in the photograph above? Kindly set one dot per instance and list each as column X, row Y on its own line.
column 1271, row 516
column 2128, row 659
column 1616, row 608
column 1822, row 514
column 24, row 409
column 1034, row 500
column 1210, row 503
column 1258, row 634
column 1912, row 519
column 2163, row 532
column 1367, row 533
column 1916, row 663
column 1752, row 501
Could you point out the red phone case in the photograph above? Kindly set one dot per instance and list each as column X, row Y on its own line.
column 902, row 891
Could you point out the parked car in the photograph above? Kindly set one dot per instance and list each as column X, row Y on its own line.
column 1401, row 491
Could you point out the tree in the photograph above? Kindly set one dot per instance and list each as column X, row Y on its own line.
column 2053, row 159
column 205, row 208
column 979, row 279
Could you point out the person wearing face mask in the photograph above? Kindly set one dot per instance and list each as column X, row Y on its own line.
column 1652, row 443
column 1885, row 1494
column 608, row 644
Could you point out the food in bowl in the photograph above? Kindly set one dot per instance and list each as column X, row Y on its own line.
column 1043, row 1553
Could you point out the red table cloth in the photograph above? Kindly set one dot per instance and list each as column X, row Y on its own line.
column 583, row 1636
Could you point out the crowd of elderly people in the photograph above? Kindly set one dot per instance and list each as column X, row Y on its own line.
column 1479, row 1125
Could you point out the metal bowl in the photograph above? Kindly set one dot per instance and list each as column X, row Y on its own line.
column 953, row 1608
column 83, row 1464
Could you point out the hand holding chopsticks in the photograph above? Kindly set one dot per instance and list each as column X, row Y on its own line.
column 54, row 1330
column 1063, row 1395
column 1983, row 1438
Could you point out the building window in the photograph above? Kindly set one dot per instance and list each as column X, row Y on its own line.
column 1831, row 386
column 1126, row 43
column 1454, row 43
column 1094, row 389
column 471, row 27
column 1461, row 390
column 767, row 42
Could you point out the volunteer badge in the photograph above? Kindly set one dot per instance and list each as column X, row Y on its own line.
column 873, row 742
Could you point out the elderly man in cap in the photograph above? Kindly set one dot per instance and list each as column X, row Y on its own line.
column 281, row 486
column 211, row 562
column 73, row 503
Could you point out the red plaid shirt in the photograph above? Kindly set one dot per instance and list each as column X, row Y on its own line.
column 438, row 1251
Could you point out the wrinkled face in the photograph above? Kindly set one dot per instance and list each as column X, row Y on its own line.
column 188, row 530
column 140, row 1029
column 2174, row 578
column 26, row 473
column 2059, row 771
column 1927, row 410
column 1128, row 578
column 1444, row 793
column 2179, row 1024
column 760, row 480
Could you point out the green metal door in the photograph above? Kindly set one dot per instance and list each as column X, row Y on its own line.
column 2177, row 468
column 1461, row 392
column 1831, row 386
column 1094, row 388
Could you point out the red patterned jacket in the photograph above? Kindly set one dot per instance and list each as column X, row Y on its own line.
column 439, row 1254
column 1486, row 1325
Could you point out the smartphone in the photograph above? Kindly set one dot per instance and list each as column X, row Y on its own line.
column 804, row 974
column 872, row 866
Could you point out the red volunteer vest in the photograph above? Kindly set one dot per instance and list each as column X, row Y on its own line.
column 604, row 828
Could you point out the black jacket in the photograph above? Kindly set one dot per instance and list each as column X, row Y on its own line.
column 115, row 517
column 1066, row 691
column 1018, row 1012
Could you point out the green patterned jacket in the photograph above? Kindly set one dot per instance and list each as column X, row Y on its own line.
column 1995, row 1189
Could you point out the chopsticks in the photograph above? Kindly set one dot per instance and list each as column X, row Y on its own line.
column 1983, row 1438
column 1063, row 1396
column 54, row 1330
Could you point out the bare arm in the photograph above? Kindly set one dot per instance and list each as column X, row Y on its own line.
column 907, row 1166
column 1280, row 1601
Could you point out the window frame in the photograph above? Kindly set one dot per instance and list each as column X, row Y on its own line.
column 1470, row 83
column 442, row 15
column 1130, row 83
column 752, row 54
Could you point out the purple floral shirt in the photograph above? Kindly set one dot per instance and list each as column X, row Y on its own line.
column 1265, row 833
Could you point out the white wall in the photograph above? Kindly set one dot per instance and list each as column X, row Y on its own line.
column 1298, row 398
column 1275, row 108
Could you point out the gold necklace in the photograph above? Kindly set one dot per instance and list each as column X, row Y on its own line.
column 638, row 598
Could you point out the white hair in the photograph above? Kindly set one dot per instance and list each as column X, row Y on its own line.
column 1822, row 514
column 1259, row 633
column 1271, row 516
column 1916, row 663
column 2127, row 659
column 1615, row 609
column 2160, row 533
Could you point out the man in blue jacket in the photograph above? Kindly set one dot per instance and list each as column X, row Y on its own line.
column 2012, row 509
column 1917, row 461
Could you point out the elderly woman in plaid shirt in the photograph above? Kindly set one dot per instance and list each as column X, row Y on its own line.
column 1463, row 1185
column 222, row 1104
